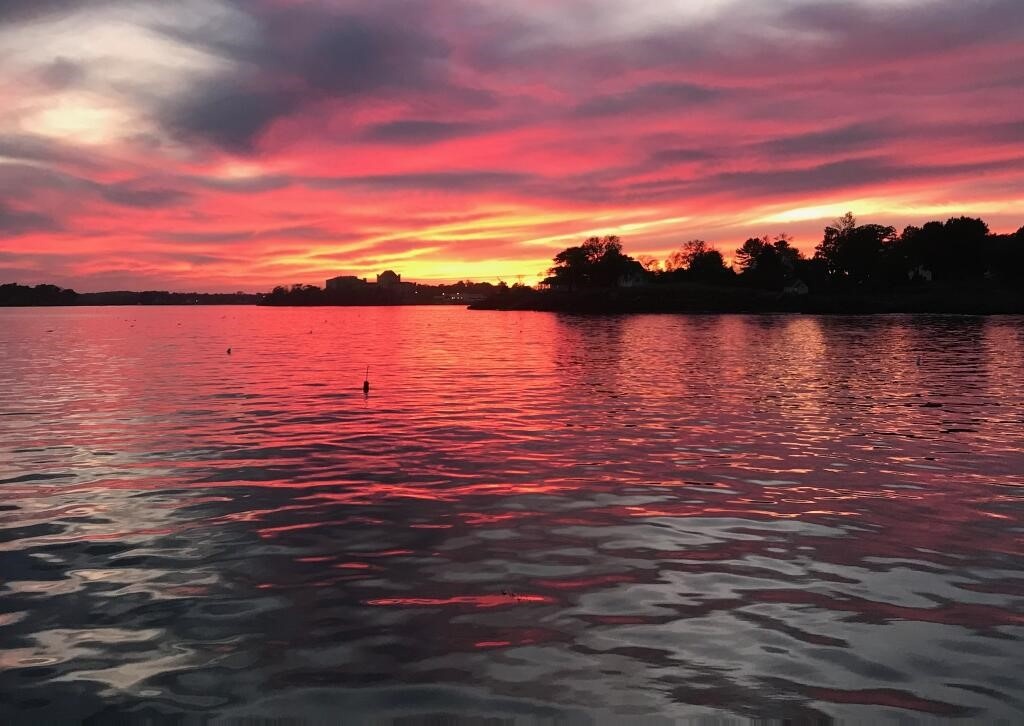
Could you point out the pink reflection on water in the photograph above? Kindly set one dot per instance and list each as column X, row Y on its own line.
column 761, row 485
column 584, row 583
column 475, row 601
column 885, row 697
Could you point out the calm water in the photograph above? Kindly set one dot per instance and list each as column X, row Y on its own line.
column 530, row 517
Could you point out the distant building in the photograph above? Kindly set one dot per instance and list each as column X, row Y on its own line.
column 634, row 276
column 345, row 282
column 469, row 297
column 388, row 279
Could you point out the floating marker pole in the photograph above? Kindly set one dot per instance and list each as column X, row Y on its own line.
column 366, row 381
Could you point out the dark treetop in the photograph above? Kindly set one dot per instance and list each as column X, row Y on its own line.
column 956, row 266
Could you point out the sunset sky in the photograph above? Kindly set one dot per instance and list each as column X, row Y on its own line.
column 239, row 144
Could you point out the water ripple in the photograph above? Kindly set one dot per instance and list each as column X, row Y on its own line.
column 531, row 516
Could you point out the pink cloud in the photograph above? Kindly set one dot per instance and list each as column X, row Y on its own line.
column 456, row 139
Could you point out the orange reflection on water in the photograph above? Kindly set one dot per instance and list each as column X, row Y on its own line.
column 693, row 506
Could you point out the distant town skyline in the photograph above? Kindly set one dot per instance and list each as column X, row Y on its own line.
column 229, row 144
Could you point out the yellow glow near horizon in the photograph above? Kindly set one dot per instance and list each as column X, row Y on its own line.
column 617, row 229
column 874, row 207
column 509, row 271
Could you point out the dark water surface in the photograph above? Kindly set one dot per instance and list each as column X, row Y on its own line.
column 531, row 516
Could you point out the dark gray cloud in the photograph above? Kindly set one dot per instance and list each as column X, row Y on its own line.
column 1011, row 131
column 27, row 147
column 420, row 132
column 839, row 175
column 15, row 222
column 299, row 56
column 22, row 179
column 904, row 30
column 62, row 73
column 834, row 175
column 25, row 180
column 681, row 156
column 227, row 114
column 201, row 260
column 648, row 98
column 20, row 10
column 756, row 42
column 349, row 54
column 128, row 194
column 832, row 141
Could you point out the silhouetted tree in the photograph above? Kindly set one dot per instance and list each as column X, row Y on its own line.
column 682, row 258
column 19, row 295
column 852, row 252
column 570, row 270
column 697, row 260
column 768, row 263
column 598, row 262
column 709, row 266
column 954, row 251
column 965, row 248
column 747, row 253
column 813, row 273
column 1006, row 258
column 906, row 256
column 13, row 294
column 649, row 263
column 919, row 250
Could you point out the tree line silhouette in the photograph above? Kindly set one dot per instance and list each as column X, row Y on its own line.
column 849, row 256
column 458, row 293
column 15, row 295
column 952, row 266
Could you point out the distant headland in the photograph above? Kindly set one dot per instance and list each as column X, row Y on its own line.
column 15, row 295
column 956, row 266
column 388, row 289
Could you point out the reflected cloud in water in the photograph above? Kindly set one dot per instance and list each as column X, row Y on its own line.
column 532, row 516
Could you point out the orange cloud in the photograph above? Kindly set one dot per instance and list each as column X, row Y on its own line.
column 275, row 142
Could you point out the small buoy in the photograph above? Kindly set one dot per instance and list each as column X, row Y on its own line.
column 229, row 351
column 366, row 381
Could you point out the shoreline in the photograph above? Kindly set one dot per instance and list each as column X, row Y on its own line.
column 713, row 300
column 676, row 298
column 610, row 309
